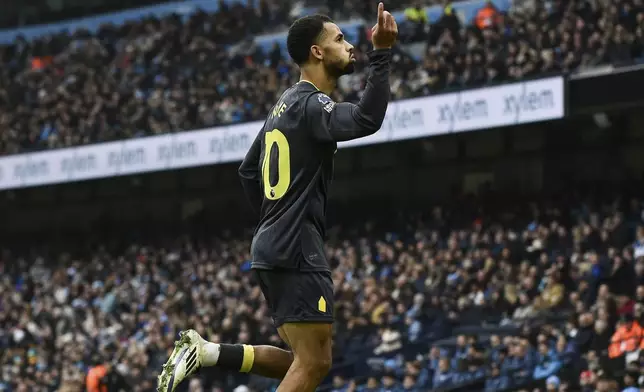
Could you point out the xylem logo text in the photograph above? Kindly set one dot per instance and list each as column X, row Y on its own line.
column 403, row 119
column 229, row 143
column 78, row 164
column 31, row 169
column 126, row 157
column 177, row 151
column 462, row 111
column 528, row 101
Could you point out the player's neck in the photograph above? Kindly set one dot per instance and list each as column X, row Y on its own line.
column 321, row 82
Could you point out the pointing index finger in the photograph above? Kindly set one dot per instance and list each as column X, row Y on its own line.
column 392, row 22
column 381, row 14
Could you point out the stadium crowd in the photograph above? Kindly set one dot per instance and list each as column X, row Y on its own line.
column 173, row 74
column 554, row 292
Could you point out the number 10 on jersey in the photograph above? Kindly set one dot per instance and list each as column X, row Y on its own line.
column 278, row 190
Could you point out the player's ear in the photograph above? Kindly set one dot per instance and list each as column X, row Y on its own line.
column 317, row 52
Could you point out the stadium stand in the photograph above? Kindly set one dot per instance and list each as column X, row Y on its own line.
column 527, row 293
column 487, row 293
column 166, row 74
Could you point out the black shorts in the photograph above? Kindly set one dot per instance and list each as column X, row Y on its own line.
column 295, row 296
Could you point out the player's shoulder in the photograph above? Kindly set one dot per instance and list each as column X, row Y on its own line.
column 297, row 95
column 315, row 100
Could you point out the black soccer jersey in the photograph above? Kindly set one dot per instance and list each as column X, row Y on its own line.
column 288, row 170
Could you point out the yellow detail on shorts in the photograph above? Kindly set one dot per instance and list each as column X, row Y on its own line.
column 249, row 359
column 322, row 305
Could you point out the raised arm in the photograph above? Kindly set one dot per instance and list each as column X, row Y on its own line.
column 346, row 121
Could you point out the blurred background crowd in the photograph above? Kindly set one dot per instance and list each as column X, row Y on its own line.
column 549, row 291
column 480, row 294
column 178, row 72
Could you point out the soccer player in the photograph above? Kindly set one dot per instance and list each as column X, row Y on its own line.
column 286, row 176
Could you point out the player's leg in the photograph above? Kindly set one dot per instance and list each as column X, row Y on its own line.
column 292, row 297
column 192, row 352
column 267, row 361
column 311, row 344
column 303, row 314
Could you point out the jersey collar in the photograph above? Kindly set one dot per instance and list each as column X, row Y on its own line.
column 309, row 82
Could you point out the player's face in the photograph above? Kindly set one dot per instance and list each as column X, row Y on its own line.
column 338, row 53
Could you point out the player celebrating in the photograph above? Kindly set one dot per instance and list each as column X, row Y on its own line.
column 286, row 176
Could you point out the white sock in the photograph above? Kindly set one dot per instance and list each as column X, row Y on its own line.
column 211, row 354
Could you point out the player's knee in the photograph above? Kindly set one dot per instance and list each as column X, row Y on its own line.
column 315, row 364
column 324, row 365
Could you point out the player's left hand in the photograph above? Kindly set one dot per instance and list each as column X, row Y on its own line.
column 385, row 31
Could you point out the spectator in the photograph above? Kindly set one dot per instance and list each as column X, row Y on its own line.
column 548, row 363
column 95, row 376
column 413, row 28
column 525, row 310
column 371, row 386
column 627, row 338
column 443, row 375
column 552, row 294
column 496, row 382
column 601, row 336
column 391, row 341
column 445, row 33
column 487, row 17
column 409, row 384
column 340, row 384
column 389, row 383
column 585, row 335
column 553, row 383
column 630, row 382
